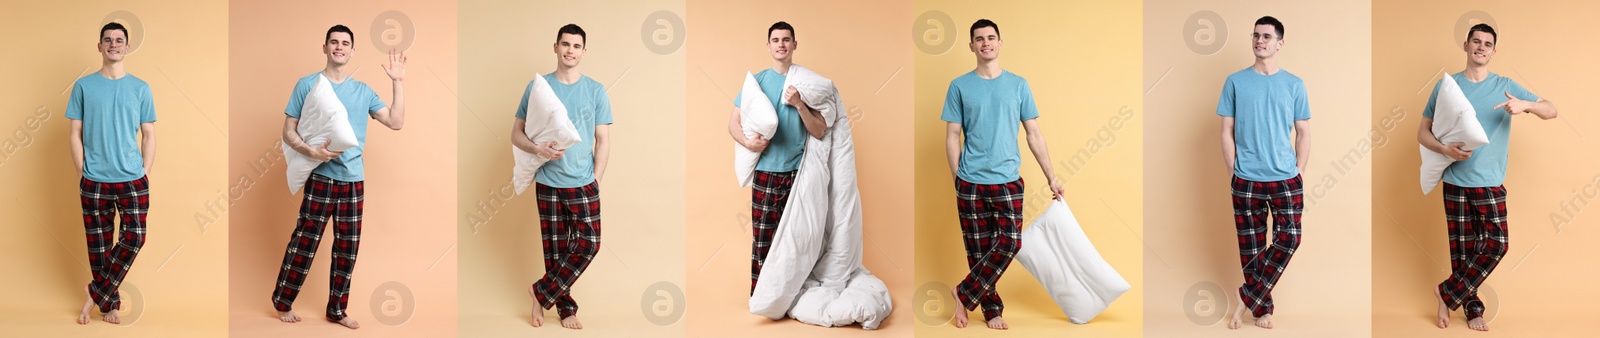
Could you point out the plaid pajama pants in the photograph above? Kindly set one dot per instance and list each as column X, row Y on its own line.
column 569, row 225
column 324, row 198
column 108, row 260
column 1263, row 263
column 769, row 195
column 1478, row 239
column 991, row 230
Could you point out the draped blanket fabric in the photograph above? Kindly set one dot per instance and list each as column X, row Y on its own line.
column 813, row 272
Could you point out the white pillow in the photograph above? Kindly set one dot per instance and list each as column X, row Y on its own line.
column 1060, row 256
column 547, row 121
column 1454, row 120
column 323, row 121
column 756, row 116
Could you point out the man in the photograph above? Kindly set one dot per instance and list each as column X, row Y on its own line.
column 335, row 189
column 107, row 108
column 569, row 185
column 1259, row 106
column 982, row 111
column 780, row 152
column 1474, row 190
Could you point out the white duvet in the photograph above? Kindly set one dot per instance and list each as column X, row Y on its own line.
column 813, row 270
column 1057, row 252
column 323, row 121
column 1454, row 120
column 756, row 117
column 547, row 121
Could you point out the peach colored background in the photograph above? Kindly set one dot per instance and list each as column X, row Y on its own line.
column 177, row 273
column 1081, row 60
column 410, row 174
column 503, row 44
column 1325, row 291
column 1414, row 44
column 866, row 53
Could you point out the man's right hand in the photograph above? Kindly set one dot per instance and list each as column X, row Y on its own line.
column 323, row 154
column 756, row 144
column 1453, row 150
column 548, row 151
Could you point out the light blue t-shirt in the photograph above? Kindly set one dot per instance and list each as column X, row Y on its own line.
column 357, row 99
column 1264, row 109
column 587, row 107
column 111, row 111
column 990, row 112
column 1487, row 166
column 787, row 143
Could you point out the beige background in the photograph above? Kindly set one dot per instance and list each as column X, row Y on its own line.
column 177, row 274
column 1082, row 61
column 503, row 44
column 866, row 53
column 1325, row 290
column 410, row 174
column 1414, row 44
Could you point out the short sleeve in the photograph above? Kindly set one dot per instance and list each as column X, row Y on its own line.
column 602, row 105
column 75, row 102
column 1225, row 106
column 374, row 103
column 297, row 98
column 952, row 105
column 1427, row 110
column 1028, row 110
column 522, row 105
column 1302, row 103
column 1518, row 91
column 147, row 111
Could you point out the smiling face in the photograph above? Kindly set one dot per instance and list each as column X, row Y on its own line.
column 1265, row 41
column 569, row 50
column 113, row 45
column 781, row 44
column 338, row 48
column 985, row 43
column 1479, row 47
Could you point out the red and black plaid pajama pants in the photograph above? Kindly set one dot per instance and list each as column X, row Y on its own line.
column 1478, row 239
column 1263, row 263
column 108, row 260
column 768, row 196
column 569, row 227
column 324, row 198
column 991, row 230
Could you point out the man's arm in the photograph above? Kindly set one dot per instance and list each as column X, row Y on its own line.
column 1302, row 144
column 952, row 146
column 291, row 138
column 1228, row 148
column 394, row 116
column 519, row 139
column 1041, row 153
column 810, row 117
column 1544, row 109
column 147, row 148
column 736, row 130
column 75, row 139
column 1427, row 140
column 602, row 150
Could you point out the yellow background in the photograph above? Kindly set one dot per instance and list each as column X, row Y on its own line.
column 866, row 53
column 1325, row 290
column 410, row 174
column 1082, row 60
column 1414, row 44
column 503, row 44
column 181, row 54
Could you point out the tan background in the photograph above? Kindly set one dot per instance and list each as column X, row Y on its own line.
column 1082, row 60
column 176, row 274
column 1325, row 290
column 866, row 53
column 410, row 174
column 1414, row 44
column 503, row 44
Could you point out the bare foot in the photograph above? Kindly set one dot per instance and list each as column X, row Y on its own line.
column 1238, row 316
column 288, row 316
column 571, row 322
column 998, row 323
column 349, row 322
column 1265, row 321
column 111, row 317
column 1478, row 324
column 1444, row 311
column 88, row 305
column 961, row 311
column 538, row 311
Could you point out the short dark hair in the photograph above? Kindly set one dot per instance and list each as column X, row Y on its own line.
column 981, row 23
column 112, row 26
column 1482, row 27
column 339, row 29
column 781, row 26
column 1269, row 20
column 574, row 30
